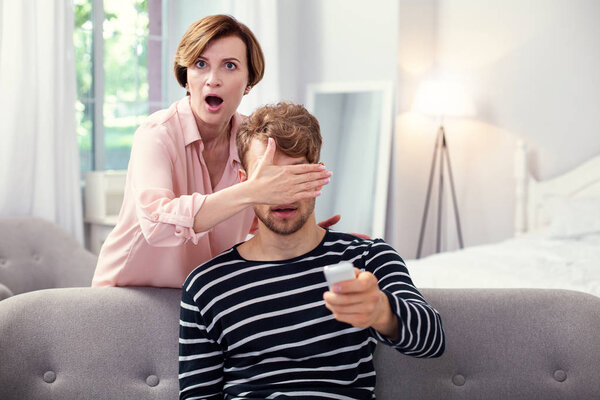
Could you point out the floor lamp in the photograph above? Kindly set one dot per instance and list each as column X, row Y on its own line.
column 441, row 98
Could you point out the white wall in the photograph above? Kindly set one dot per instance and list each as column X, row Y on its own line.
column 319, row 40
column 340, row 40
column 534, row 70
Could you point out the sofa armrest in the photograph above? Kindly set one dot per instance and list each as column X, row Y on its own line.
column 38, row 254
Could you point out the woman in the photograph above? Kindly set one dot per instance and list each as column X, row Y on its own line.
column 183, row 202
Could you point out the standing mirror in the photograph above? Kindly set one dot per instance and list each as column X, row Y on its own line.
column 356, row 124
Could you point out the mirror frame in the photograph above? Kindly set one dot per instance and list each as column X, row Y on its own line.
column 385, row 141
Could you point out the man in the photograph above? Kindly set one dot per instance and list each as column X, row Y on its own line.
column 257, row 321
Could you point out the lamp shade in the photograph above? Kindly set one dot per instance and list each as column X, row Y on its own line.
column 441, row 98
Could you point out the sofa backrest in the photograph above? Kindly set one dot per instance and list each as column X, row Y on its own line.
column 503, row 344
column 121, row 343
column 90, row 343
column 38, row 254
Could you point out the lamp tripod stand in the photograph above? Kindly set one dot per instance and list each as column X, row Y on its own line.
column 440, row 148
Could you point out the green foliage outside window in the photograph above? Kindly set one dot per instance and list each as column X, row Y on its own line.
column 125, row 35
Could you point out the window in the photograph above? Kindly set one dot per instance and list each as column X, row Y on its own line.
column 118, row 46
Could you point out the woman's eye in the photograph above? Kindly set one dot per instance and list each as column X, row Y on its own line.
column 230, row 65
column 200, row 64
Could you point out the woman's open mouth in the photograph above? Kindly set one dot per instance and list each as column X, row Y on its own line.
column 284, row 211
column 213, row 102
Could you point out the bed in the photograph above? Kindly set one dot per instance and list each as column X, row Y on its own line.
column 556, row 242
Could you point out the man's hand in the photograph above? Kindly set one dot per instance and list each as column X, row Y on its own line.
column 360, row 303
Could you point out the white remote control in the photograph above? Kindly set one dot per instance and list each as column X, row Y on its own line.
column 344, row 271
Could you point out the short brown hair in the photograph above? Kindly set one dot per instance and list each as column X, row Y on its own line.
column 295, row 131
column 202, row 32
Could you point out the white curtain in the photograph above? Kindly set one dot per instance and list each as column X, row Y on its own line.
column 39, row 161
column 261, row 17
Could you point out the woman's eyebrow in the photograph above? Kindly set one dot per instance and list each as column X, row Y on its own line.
column 224, row 59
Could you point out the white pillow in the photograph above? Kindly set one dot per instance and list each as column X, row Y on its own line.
column 576, row 217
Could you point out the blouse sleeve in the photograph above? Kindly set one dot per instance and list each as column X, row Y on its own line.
column 165, row 220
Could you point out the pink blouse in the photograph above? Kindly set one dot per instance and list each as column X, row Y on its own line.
column 154, row 243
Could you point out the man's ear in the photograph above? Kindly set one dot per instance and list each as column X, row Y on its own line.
column 242, row 176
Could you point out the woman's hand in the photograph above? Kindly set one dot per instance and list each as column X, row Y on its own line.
column 360, row 303
column 329, row 222
column 286, row 184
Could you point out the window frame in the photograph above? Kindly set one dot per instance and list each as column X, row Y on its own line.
column 98, row 133
column 96, row 96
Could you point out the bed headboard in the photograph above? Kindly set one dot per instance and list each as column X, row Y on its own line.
column 537, row 201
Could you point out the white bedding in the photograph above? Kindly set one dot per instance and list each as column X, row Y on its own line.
column 561, row 250
column 529, row 261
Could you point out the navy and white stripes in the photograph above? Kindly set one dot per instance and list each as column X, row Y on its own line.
column 256, row 330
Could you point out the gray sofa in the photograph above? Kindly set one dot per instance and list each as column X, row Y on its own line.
column 38, row 254
column 121, row 343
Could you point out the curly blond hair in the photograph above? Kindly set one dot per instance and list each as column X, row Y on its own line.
column 296, row 131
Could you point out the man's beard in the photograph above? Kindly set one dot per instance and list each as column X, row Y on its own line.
column 283, row 227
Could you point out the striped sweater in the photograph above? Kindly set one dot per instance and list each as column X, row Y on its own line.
column 260, row 330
